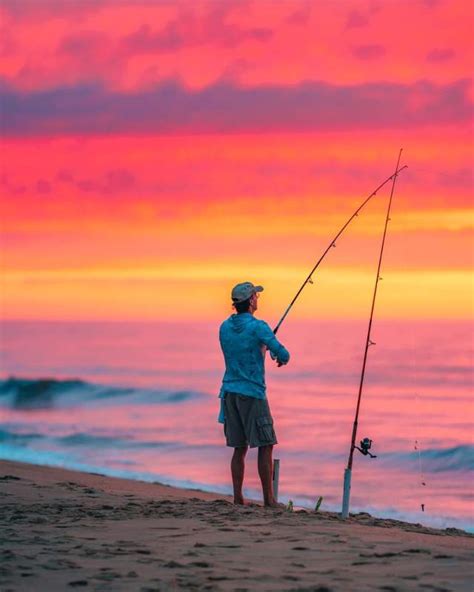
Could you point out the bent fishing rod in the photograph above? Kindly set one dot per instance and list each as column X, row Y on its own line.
column 309, row 279
column 366, row 443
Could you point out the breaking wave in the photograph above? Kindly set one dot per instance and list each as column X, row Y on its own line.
column 41, row 393
column 437, row 460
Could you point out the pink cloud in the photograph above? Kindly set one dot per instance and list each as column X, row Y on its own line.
column 369, row 52
column 22, row 10
column 11, row 187
column 356, row 19
column 188, row 30
column 83, row 45
column 440, row 55
column 301, row 16
column 65, row 176
column 110, row 182
column 43, row 186
column 169, row 108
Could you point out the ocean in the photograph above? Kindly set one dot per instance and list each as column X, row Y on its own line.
column 139, row 400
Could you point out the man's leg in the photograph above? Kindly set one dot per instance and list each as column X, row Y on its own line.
column 237, row 467
column 265, row 471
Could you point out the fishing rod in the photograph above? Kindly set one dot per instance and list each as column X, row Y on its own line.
column 309, row 279
column 366, row 443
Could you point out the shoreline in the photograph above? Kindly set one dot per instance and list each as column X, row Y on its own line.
column 66, row 529
column 202, row 488
column 154, row 489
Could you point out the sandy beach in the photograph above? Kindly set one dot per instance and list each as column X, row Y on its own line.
column 62, row 529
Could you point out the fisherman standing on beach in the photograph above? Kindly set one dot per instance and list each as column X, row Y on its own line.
column 245, row 412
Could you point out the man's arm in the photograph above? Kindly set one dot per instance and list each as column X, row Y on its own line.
column 278, row 351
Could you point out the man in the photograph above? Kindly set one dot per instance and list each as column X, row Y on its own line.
column 244, row 407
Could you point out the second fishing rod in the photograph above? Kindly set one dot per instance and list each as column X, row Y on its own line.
column 309, row 279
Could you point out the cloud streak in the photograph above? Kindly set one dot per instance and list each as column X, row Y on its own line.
column 169, row 108
column 441, row 55
column 369, row 52
column 188, row 31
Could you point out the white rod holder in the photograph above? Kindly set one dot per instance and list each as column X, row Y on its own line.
column 346, row 494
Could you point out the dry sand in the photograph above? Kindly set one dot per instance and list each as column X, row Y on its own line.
column 62, row 530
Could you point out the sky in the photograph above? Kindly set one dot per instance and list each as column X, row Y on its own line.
column 154, row 154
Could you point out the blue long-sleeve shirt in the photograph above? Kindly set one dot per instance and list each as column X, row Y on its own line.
column 244, row 341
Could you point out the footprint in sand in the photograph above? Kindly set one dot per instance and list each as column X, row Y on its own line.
column 173, row 564
column 300, row 548
column 107, row 576
column 380, row 555
column 230, row 546
column 57, row 564
column 200, row 564
column 362, row 563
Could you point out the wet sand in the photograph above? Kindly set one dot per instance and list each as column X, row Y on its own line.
column 62, row 530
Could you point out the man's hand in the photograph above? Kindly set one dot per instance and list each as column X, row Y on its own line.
column 273, row 357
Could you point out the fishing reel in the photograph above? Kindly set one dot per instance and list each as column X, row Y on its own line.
column 365, row 446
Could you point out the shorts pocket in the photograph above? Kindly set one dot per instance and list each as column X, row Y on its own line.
column 265, row 429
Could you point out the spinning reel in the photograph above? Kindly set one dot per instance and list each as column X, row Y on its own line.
column 365, row 446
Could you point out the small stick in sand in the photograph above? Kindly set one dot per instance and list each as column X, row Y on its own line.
column 276, row 477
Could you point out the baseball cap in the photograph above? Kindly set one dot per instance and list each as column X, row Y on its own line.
column 243, row 291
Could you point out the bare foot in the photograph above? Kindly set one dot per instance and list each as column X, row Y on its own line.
column 239, row 501
column 273, row 504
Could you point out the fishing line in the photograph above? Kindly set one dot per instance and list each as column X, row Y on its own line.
column 422, row 482
column 417, row 444
column 332, row 244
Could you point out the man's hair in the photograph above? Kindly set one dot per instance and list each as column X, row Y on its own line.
column 242, row 306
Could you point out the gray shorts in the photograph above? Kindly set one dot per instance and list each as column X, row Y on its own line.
column 248, row 421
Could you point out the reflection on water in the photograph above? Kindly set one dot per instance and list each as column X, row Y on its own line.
column 141, row 400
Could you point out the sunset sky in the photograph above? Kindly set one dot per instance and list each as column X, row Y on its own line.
column 156, row 153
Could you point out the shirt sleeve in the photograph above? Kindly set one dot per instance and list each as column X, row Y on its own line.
column 266, row 336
